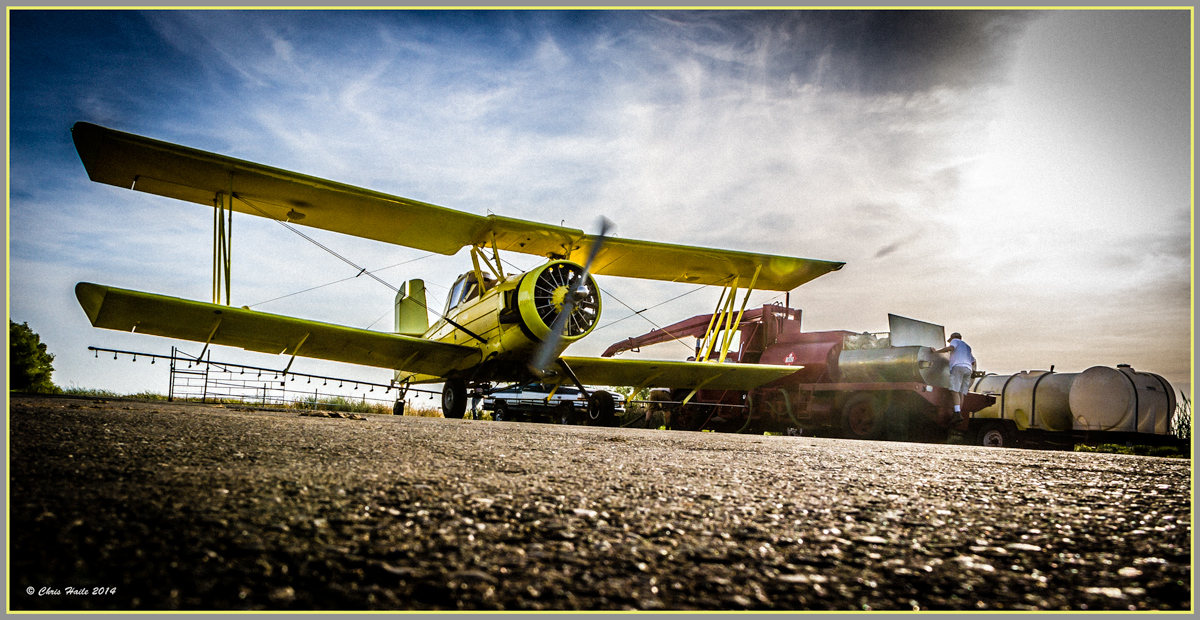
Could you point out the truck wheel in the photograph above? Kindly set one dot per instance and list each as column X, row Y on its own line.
column 500, row 413
column 602, row 409
column 997, row 436
column 454, row 398
column 863, row 417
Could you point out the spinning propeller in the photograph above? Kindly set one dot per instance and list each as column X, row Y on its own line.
column 578, row 296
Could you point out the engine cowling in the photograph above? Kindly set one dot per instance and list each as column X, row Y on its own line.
column 543, row 292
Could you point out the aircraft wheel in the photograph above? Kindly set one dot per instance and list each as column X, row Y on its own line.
column 398, row 408
column 863, row 417
column 500, row 413
column 602, row 409
column 454, row 398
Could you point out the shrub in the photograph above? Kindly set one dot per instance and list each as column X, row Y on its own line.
column 30, row 363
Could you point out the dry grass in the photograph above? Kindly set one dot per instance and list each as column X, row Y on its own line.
column 423, row 411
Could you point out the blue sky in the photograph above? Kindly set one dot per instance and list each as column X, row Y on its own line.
column 1021, row 177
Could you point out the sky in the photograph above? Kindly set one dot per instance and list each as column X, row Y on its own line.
column 1023, row 178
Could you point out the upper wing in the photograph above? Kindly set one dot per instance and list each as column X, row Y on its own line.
column 158, row 315
column 135, row 162
column 691, row 375
column 681, row 263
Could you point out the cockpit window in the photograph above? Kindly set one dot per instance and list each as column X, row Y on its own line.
column 455, row 293
column 465, row 289
column 470, row 291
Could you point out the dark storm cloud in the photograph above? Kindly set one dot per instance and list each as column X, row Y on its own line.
column 872, row 52
column 917, row 50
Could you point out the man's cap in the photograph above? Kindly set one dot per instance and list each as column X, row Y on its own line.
column 953, row 336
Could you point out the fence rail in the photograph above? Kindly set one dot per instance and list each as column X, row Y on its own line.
column 205, row 379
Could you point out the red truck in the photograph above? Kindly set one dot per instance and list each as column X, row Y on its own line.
column 855, row 385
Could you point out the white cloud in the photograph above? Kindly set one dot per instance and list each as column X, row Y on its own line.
column 993, row 208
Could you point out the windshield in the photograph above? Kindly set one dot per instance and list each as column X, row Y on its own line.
column 465, row 289
column 455, row 293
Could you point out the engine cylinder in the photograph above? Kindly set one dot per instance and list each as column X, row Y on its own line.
column 542, row 296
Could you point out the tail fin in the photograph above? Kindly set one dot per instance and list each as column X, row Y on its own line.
column 412, row 317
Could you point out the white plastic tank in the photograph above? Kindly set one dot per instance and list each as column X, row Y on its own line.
column 1031, row 399
column 1122, row 399
column 1100, row 398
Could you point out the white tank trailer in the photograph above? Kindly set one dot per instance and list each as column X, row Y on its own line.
column 1100, row 404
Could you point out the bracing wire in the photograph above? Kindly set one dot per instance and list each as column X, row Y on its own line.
column 674, row 338
column 340, row 281
column 381, row 317
column 644, row 310
column 361, row 270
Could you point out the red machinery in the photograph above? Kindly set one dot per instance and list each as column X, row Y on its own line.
column 856, row 385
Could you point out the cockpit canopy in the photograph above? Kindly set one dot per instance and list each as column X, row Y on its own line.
column 466, row 288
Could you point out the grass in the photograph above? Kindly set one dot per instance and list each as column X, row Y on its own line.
column 1182, row 420
column 1112, row 448
column 96, row 393
column 336, row 403
column 340, row 403
column 78, row 391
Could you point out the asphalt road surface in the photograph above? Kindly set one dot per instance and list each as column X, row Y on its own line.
column 150, row 506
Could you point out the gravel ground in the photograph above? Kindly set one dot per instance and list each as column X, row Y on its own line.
column 194, row 507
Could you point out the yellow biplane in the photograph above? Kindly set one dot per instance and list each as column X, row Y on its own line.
column 495, row 326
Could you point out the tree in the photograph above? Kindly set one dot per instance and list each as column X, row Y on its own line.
column 29, row 363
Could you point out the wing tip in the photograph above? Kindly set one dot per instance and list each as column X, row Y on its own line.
column 91, row 299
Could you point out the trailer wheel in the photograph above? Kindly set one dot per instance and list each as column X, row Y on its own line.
column 602, row 409
column 997, row 436
column 398, row 408
column 454, row 398
column 863, row 417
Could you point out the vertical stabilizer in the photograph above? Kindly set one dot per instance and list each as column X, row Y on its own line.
column 412, row 317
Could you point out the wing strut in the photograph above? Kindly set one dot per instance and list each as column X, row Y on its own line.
column 723, row 320
column 571, row 373
column 222, row 244
column 210, row 337
column 294, row 352
column 698, row 387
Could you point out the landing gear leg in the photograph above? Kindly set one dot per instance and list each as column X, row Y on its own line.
column 398, row 408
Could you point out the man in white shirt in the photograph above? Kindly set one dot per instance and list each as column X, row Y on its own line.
column 962, row 365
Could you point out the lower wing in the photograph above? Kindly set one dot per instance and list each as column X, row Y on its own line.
column 691, row 375
column 159, row 315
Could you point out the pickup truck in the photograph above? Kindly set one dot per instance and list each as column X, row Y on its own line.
column 533, row 402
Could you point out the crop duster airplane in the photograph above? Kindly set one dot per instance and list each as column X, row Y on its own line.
column 495, row 327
